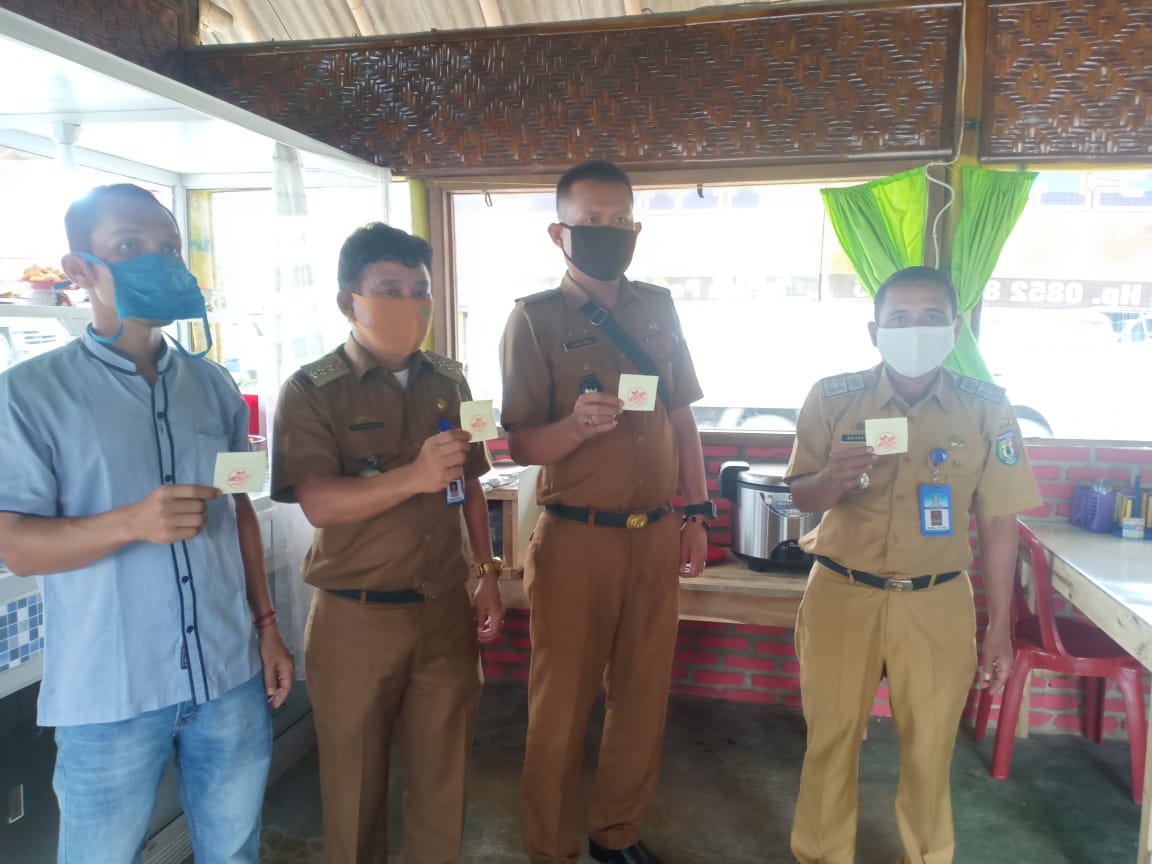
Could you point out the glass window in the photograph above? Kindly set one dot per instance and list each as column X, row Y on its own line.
column 34, row 318
column 1065, row 318
column 244, row 244
column 767, row 300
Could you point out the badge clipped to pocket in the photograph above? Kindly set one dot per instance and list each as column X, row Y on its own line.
column 936, row 510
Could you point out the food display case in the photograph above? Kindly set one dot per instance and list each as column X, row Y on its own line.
column 81, row 118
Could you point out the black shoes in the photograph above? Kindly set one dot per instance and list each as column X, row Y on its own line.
column 637, row 853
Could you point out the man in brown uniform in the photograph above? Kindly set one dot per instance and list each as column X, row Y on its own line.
column 888, row 594
column 601, row 569
column 367, row 439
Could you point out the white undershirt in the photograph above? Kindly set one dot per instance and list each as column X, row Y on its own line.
column 402, row 377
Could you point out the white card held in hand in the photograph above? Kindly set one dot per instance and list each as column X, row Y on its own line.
column 241, row 472
column 887, row 435
column 638, row 392
column 478, row 418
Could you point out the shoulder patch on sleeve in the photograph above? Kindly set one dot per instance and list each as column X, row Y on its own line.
column 540, row 295
column 980, row 389
column 325, row 370
column 446, row 366
column 842, row 385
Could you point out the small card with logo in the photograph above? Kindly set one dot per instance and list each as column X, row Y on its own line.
column 240, row 472
column 478, row 418
column 887, row 435
column 638, row 392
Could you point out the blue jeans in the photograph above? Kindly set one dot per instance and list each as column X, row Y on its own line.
column 107, row 775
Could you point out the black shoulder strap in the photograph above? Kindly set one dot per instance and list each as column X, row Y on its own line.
column 602, row 318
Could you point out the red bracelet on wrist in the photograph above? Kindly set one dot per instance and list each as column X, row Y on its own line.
column 265, row 620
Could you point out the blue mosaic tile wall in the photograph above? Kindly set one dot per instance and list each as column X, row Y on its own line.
column 21, row 631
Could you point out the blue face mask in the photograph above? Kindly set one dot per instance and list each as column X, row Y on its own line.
column 155, row 287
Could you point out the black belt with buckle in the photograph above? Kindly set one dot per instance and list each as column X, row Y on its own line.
column 389, row 598
column 608, row 520
column 894, row 583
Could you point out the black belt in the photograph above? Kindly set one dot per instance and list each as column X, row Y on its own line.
column 393, row 598
column 606, row 519
column 895, row 583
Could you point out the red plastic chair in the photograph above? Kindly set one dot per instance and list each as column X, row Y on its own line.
column 1069, row 647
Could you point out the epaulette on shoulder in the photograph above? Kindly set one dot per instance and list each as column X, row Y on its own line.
column 980, row 389
column 551, row 293
column 656, row 289
column 842, row 385
column 325, row 370
column 446, row 366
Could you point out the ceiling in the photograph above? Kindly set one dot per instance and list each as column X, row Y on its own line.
column 233, row 21
column 117, row 110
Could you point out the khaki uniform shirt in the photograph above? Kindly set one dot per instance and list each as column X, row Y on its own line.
column 877, row 529
column 345, row 416
column 548, row 349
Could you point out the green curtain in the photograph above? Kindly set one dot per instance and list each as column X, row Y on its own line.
column 880, row 224
column 991, row 203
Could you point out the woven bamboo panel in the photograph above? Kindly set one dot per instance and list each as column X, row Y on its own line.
column 1068, row 80
column 779, row 87
column 150, row 33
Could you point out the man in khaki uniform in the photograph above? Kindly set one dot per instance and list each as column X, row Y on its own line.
column 601, row 569
column 392, row 638
column 888, row 594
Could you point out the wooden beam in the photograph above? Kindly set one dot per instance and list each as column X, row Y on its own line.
column 360, row 15
column 490, row 9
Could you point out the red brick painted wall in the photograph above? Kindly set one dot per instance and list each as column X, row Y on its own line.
column 742, row 663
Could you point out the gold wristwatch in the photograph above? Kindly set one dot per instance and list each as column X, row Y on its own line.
column 492, row 565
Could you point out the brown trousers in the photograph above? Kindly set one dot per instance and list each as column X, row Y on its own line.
column 604, row 614
column 847, row 635
column 372, row 668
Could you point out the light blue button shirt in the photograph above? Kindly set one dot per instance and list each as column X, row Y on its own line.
column 149, row 626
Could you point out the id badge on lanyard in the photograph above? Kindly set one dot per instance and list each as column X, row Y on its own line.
column 936, row 510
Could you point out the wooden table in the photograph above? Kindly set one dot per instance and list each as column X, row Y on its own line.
column 726, row 592
column 1110, row 581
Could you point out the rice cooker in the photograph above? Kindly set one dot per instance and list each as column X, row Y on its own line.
column 767, row 526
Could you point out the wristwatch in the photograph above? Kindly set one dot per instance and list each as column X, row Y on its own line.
column 492, row 565
column 705, row 508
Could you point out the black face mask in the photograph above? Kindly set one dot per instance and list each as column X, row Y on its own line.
column 600, row 251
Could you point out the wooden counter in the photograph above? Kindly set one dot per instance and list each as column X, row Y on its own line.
column 727, row 592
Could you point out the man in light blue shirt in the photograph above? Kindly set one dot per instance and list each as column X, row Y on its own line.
column 153, row 581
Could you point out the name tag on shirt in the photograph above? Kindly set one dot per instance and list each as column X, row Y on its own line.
column 638, row 392
column 936, row 510
column 479, row 419
column 240, row 472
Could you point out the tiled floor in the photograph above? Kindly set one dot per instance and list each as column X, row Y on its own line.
column 729, row 782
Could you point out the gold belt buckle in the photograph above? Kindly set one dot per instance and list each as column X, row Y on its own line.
column 636, row 520
column 898, row 585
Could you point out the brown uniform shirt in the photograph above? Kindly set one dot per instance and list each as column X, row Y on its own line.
column 877, row 529
column 343, row 416
column 549, row 347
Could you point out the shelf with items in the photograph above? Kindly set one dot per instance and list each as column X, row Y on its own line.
column 512, row 513
column 28, row 330
column 35, row 310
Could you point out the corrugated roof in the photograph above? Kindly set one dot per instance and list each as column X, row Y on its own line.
column 235, row 21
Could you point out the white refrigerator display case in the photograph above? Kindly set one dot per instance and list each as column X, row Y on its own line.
column 73, row 117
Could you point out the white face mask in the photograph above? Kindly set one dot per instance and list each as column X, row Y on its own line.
column 914, row 351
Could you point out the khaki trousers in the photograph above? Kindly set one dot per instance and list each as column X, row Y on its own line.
column 373, row 669
column 847, row 637
column 604, row 613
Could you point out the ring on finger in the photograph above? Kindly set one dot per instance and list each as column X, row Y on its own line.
column 864, row 481
column 589, row 420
